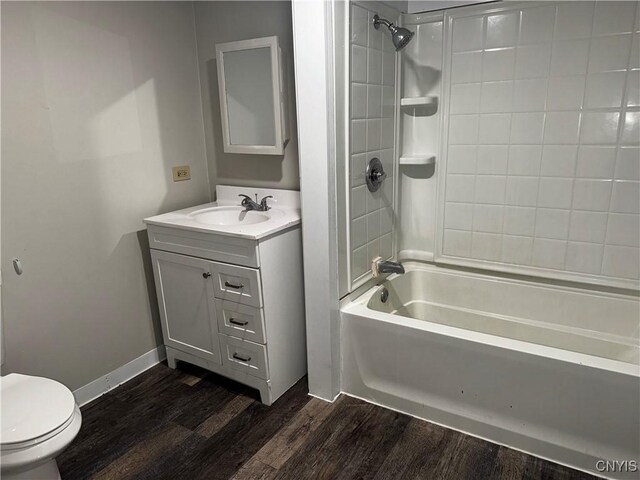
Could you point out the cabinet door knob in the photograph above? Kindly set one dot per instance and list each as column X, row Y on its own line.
column 206, row 275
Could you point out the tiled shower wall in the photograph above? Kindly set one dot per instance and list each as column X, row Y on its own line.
column 372, row 112
column 542, row 155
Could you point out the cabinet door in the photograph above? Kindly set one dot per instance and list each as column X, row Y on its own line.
column 185, row 298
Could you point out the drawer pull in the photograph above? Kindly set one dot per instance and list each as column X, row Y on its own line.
column 241, row 358
column 231, row 285
column 238, row 322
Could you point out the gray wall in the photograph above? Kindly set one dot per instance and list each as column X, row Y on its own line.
column 218, row 22
column 99, row 100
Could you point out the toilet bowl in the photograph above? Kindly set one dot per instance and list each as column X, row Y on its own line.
column 40, row 418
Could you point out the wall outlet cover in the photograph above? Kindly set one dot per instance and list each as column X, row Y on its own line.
column 183, row 172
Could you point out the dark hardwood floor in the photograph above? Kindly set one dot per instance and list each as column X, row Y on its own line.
column 190, row 424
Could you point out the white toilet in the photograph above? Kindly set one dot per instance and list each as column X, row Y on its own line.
column 39, row 420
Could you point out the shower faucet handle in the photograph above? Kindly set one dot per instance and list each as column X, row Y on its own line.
column 375, row 174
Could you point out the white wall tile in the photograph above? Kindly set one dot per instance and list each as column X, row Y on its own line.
column 358, row 136
column 561, row 128
column 458, row 216
column 596, row 162
column 522, row 191
column 584, row 257
column 358, row 100
column 386, row 246
column 524, row 159
column 386, row 220
column 631, row 129
column 633, row 89
column 359, row 25
column 358, row 232
column 487, row 218
column 388, row 68
column 457, row 243
column 373, row 225
column 465, row 98
column 555, row 192
column 357, row 169
column 591, row 195
column 487, row 246
column 533, row 61
column 588, row 226
column 517, row 249
column 625, row 197
column 496, row 96
column 609, row 53
column 358, row 201
column 552, row 223
column 569, row 57
column 388, row 101
column 574, row 20
column 635, row 51
column 565, row 93
column 621, row 261
column 373, row 250
column 599, row 127
column 374, row 101
column 614, row 17
column 467, row 34
column 490, row 189
column 623, row 229
column 466, row 67
column 492, row 159
column 548, row 253
column 374, row 66
column 373, row 134
column 359, row 262
column 604, row 90
column 628, row 163
column 494, row 128
column 460, row 188
column 463, row 129
column 375, row 36
column 526, row 128
column 462, row 159
column 373, row 200
column 530, row 95
column 559, row 160
column 519, row 221
column 358, row 64
column 502, row 30
column 498, row 64
column 386, row 136
column 536, row 25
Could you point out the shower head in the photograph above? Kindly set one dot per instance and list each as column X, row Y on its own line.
column 399, row 36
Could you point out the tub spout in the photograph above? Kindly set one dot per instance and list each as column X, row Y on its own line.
column 385, row 266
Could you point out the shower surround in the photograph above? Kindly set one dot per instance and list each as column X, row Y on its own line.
column 517, row 209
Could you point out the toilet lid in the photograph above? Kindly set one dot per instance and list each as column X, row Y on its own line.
column 32, row 407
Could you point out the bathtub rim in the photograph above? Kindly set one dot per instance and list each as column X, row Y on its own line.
column 358, row 306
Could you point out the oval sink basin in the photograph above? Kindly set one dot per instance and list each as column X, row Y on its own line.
column 227, row 216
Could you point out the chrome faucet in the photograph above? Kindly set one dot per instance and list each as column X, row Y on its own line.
column 249, row 204
column 385, row 266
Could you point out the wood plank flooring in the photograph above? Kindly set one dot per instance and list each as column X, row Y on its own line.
column 191, row 424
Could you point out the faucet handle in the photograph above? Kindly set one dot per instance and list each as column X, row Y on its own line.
column 263, row 202
column 246, row 199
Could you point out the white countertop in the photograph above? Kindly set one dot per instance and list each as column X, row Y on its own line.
column 284, row 213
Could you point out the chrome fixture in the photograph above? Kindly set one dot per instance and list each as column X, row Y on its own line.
column 374, row 174
column 249, row 204
column 399, row 36
column 384, row 294
column 386, row 266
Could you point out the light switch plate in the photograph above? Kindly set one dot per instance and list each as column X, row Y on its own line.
column 183, row 172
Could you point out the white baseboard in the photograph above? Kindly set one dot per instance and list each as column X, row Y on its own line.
column 120, row 375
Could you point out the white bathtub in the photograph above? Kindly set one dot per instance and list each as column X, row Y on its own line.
column 549, row 370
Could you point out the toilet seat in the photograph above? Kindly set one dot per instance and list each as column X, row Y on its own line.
column 34, row 409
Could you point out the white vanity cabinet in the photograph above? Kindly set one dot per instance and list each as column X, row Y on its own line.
column 232, row 305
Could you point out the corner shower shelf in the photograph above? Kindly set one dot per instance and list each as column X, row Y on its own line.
column 429, row 101
column 417, row 160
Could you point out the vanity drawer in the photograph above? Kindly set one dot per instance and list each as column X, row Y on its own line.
column 237, row 284
column 242, row 321
column 244, row 356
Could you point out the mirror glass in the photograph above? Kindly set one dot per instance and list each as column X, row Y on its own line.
column 249, row 91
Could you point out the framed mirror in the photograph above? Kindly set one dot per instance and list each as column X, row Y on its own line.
column 252, row 96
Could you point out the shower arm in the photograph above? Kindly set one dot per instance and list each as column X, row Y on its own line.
column 377, row 21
